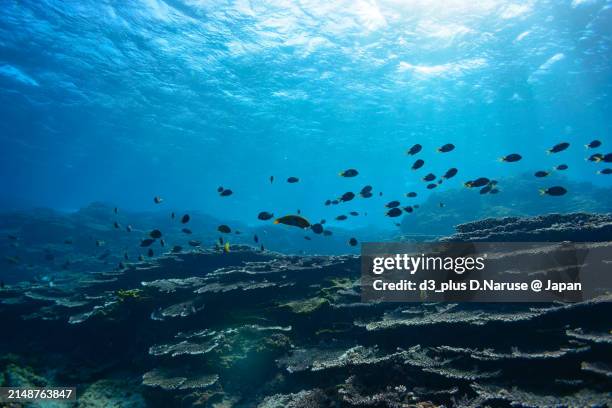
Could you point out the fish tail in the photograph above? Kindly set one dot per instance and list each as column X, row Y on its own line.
column 598, row 159
column 501, row 159
column 226, row 247
column 542, row 191
column 276, row 221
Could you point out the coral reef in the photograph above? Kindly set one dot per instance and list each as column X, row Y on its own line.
column 251, row 328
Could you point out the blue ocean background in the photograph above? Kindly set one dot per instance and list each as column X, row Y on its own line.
column 123, row 101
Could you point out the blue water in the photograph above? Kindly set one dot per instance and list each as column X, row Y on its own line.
column 124, row 101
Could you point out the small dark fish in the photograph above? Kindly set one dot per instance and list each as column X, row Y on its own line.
column 121, row 266
column 293, row 180
column 596, row 157
column 225, row 193
column 307, row 238
column 262, row 248
column 186, row 230
column 224, row 229
column 264, row 215
column 605, row 171
column 146, row 242
column 12, row 237
column 411, row 194
column 327, row 233
column 116, row 210
column 299, row 211
column 446, row 148
column 150, row 253
column 128, row 228
column 155, row 234
column 367, row 188
column 116, row 225
column 418, row 164
column 172, row 215
column 177, row 249
column 553, row 191
column 431, row 186
column 561, row 167
column 558, row 148
column 194, row 243
column 606, row 159
column 479, row 182
column 365, row 194
column 394, row 212
column 162, row 242
column 541, row 173
column 271, row 179
column 450, row 173
column 414, row 149
column 327, row 202
column 255, row 238
column 157, row 200
column 348, row 196
column 511, row 158
column 221, row 240
column 441, row 205
column 594, row 144
column 335, row 202
column 408, row 209
column 486, row 189
column 353, row 242
column 322, row 221
column 125, row 256
column 354, row 213
column 185, row 219
column 349, row 173
column 293, row 220
column 317, row 228
column 380, row 193
column 392, row 204
column 220, row 189
column 341, row 217
column 1, row 284
column 429, row 177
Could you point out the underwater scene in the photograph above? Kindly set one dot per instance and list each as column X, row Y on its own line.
column 187, row 187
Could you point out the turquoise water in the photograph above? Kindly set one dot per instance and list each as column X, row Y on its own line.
column 124, row 101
